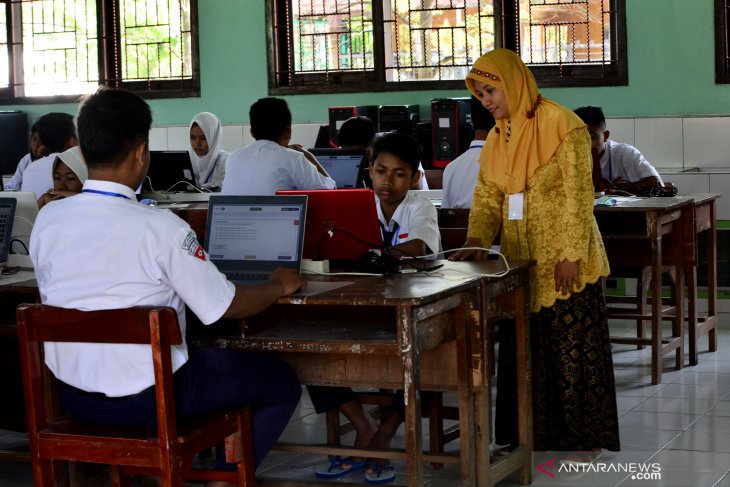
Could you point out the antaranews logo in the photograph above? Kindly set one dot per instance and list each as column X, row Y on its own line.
column 637, row 470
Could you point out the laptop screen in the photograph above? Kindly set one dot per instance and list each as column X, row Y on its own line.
column 170, row 171
column 255, row 233
column 345, row 166
column 7, row 212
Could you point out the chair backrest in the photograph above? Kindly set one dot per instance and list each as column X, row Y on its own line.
column 453, row 226
column 153, row 325
column 435, row 178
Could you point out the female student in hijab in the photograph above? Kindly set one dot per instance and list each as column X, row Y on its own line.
column 537, row 187
column 209, row 161
column 69, row 176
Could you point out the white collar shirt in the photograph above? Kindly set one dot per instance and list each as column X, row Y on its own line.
column 17, row 179
column 414, row 219
column 103, row 250
column 265, row 167
column 460, row 177
column 38, row 176
column 625, row 162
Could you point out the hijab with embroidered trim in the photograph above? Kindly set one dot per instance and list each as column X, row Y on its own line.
column 204, row 166
column 75, row 161
column 534, row 128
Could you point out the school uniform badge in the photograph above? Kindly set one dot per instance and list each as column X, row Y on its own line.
column 192, row 247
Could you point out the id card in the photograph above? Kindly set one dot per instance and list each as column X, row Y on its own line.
column 515, row 206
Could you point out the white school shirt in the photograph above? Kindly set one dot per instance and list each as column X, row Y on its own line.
column 38, row 177
column 415, row 218
column 104, row 250
column 460, row 177
column 624, row 161
column 14, row 183
column 265, row 167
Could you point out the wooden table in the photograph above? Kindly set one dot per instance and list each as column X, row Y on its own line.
column 410, row 332
column 653, row 232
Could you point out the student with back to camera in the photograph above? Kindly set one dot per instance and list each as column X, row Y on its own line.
column 206, row 155
column 461, row 174
column 270, row 164
column 135, row 255
column 33, row 155
column 57, row 133
column 69, row 175
column 535, row 183
column 409, row 226
column 622, row 166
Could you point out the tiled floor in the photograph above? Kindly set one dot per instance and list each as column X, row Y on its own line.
column 680, row 428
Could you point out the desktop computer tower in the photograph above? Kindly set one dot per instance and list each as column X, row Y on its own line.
column 13, row 140
column 399, row 118
column 338, row 115
column 451, row 125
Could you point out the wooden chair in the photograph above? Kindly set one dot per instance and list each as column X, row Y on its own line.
column 166, row 450
column 435, row 178
column 453, row 226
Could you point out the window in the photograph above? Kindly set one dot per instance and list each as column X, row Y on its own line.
column 66, row 48
column 722, row 42
column 358, row 45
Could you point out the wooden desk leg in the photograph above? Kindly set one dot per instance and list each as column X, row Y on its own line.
column 483, row 394
column 524, row 380
column 656, row 306
column 411, row 396
column 692, row 313
column 712, row 280
column 466, row 394
column 678, row 322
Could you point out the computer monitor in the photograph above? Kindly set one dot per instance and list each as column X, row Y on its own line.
column 348, row 167
column 7, row 213
column 170, row 171
column 26, row 211
column 342, row 224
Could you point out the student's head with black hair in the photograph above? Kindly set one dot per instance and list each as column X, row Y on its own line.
column 270, row 119
column 482, row 120
column 35, row 142
column 114, row 127
column 357, row 133
column 394, row 167
column 56, row 133
column 596, row 123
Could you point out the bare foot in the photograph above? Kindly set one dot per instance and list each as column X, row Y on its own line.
column 364, row 424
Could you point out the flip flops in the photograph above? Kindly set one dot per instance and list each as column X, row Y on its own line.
column 379, row 474
column 339, row 467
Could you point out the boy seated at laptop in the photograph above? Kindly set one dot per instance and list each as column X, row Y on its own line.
column 135, row 255
column 409, row 226
column 271, row 164
column 359, row 133
column 57, row 133
column 622, row 166
column 69, row 176
column 33, row 155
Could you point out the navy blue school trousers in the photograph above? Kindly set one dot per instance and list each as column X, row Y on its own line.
column 213, row 379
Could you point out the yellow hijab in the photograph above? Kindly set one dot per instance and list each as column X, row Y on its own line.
column 536, row 125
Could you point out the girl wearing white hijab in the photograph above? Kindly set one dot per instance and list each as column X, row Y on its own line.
column 69, row 175
column 209, row 161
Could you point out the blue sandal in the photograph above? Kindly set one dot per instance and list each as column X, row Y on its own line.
column 379, row 474
column 339, row 467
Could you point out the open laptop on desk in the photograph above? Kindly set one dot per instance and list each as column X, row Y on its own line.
column 7, row 214
column 247, row 237
column 170, row 171
column 348, row 167
column 26, row 211
column 350, row 215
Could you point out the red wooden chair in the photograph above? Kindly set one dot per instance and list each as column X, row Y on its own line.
column 166, row 450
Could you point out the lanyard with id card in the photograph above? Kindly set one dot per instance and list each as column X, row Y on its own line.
column 515, row 206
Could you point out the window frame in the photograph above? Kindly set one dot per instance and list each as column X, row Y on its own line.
column 722, row 41
column 614, row 74
column 109, row 74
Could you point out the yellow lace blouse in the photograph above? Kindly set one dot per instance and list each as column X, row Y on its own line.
column 557, row 223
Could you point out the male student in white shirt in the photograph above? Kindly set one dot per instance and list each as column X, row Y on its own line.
column 270, row 164
column 35, row 144
column 460, row 175
column 101, row 249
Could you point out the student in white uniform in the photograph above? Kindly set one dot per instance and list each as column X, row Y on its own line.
column 206, row 140
column 271, row 164
column 101, row 249
column 69, row 175
column 623, row 167
column 57, row 133
column 409, row 226
column 35, row 144
column 460, row 175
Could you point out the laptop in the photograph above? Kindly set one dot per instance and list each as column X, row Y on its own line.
column 26, row 211
column 170, row 171
column 247, row 237
column 7, row 213
column 348, row 167
column 351, row 216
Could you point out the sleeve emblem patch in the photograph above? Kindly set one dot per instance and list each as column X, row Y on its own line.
column 192, row 247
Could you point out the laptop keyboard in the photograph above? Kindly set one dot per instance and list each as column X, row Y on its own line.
column 246, row 276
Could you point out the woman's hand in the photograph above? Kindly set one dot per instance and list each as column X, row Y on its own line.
column 566, row 276
column 470, row 254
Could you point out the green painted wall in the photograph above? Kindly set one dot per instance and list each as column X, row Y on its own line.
column 671, row 69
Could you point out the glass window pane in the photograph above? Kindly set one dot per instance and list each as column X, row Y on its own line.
column 4, row 59
column 156, row 39
column 59, row 47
